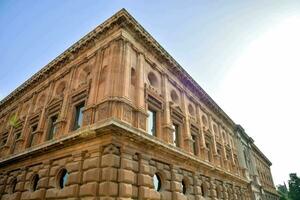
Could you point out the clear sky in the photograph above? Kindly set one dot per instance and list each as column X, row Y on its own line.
column 245, row 54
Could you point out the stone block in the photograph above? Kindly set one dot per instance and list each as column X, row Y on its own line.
column 144, row 192
column 108, row 189
column 167, row 185
column 69, row 191
column 125, row 190
column 52, row 182
column 135, row 166
column 145, row 169
column 19, row 186
column 39, row 194
column 28, row 176
column 73, row 166
column 25, row 195
column 126, row 176
column 155, row 195
column 110, row 160
column 179, row 196
column 91, row 163
column 74, row 178
column 109, row 174
column 166, row 195
column 167, row 175
column 127, row 163
column 91, row 175
column 178, row 177
column 43, row 172
column 51, row 193
column 160, row 166
column 43, row 182
column 135, row 192
column 145, row 180
column 176, row 186
column 88, row 189
column 54, row 170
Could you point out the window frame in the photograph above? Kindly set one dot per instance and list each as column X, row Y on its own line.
column 76, row 117
column 52, row 126
column 33, row 131
column 154, row 122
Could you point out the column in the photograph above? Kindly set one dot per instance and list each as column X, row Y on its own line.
column 187, row 138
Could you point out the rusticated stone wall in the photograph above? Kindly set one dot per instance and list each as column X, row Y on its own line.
column 112, row 171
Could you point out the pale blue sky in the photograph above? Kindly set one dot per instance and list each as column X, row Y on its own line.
column 208, row 38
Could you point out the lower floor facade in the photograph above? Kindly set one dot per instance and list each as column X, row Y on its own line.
column 114, row 163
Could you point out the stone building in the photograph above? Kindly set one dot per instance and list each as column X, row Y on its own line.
column 256, row 167
column 116, row 117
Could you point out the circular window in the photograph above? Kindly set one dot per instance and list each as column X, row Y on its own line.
column 152, row 79
column 183, row 187
column 13, row 186
column 174, row 96
column 34, row 182
column 191, row 109
column 157, row 182
column 62, row 178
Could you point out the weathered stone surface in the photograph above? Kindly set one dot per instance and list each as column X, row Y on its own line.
column 89, row 189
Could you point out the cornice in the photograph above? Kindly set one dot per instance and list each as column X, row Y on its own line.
column 258, row 151
column 120, row 128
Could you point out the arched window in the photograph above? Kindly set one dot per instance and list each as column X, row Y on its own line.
column 13, row 185
column 152, row 79
column 174, row 96
column 183, row 186
column 34, row 182
column 157, row 182
column 62, row 178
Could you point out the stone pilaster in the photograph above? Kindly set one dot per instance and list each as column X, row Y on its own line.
column 127, row 177
column 140, row 97
column 176, row 181
column 110, row 162
column 91, row 174
column 166, row 122
column 144, row 178
column 213, row 191
column 187, row 138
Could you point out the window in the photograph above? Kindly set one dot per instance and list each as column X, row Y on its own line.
column 16, row 137
column 78, row 116
column 202, row 190
column 4, row 139
column 194, row 140
column 175, row 134
column 157, row 182
column 13, row 186
column 34, row 182
column 52, row 127
column 33, row 129
column 183, row 187
column 62, row 178
column 151, row 122
column 152, row 79
column 208, row 151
